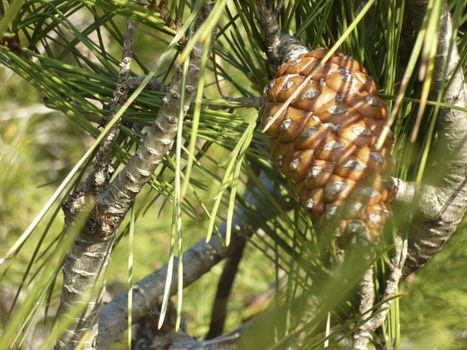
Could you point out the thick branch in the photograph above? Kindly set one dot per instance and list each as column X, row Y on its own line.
column 154, row 84
column 443, row 202
column 404, row 191
column 77, row 279
column 89, row 254
column 197, row 261
column 179, row 340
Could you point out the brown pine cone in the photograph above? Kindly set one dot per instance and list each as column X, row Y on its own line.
column 324, row 142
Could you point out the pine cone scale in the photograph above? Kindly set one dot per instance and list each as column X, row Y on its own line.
column 324, row 141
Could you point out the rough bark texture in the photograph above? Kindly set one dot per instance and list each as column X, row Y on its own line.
column 179, row 341
column 392, row 284
column 373, row 321
column 442, row 202
column 102, row 169
column 89, row 255
column 367, row 296
column 202, row 256
column 198, row 260
column 280, row 47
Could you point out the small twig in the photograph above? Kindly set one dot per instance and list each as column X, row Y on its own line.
column 392, row 284
column 102, row 171
column 102, row 167
column 224, row 288
column 371, row 323
column 367, row 299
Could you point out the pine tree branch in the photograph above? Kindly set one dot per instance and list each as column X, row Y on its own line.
column 78, row 279
column 375, row 320
column 280, row 47
column 367, row 296
column 179, row 340
column 148, row 337
column 103, row 170
column 442, row 203
column 89, row 254
column 224, row 288
column 197, row 261
column 395, row 275
column 154, row 84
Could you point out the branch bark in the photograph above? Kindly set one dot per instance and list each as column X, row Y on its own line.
column 395, row 275
column 198, row 260
column 102, row 169
column 280, row 47
column 89, row 255
column 442, row 203
column 84, row 262
column 372, row 323
column 367, row 296
column 224, row 288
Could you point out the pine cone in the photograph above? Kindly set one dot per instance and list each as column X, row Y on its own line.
column 324, row 142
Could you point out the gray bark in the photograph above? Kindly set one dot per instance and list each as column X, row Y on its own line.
column 280, row 47
column 367, row 299
column 372, row 322
column 442, row 201
column 89, row 254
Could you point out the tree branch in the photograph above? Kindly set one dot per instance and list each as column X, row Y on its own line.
column 77, row 277
column 443, row 201
column 224, row 288
column 405, row 191
column 148, row 337
column 154, row 84
column 102, row 171
column 395, row 274
column 89, row 255
column 280, row 47
column 197, row 261
column 371, row 323
column 367, row 296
